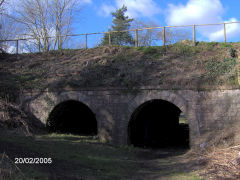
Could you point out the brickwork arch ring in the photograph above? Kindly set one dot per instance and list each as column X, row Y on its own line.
column 53, row 100
column 171, row 97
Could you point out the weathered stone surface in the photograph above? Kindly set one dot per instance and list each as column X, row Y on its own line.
column 205, row 110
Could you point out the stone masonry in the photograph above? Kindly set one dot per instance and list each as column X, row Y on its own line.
column 206, row 111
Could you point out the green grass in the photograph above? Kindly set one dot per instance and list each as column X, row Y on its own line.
column 224, row 45
column 101, row 160
column 185, row 50
column 87, row 157
column 150, row 50
column 182, row 120
column 153, row 51
column 207, row 45
column 180, row 176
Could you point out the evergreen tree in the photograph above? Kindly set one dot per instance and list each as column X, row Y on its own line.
column 120, row 23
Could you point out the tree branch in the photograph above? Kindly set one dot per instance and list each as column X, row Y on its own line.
column 1, row 2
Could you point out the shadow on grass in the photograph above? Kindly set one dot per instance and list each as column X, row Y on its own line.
column 74, row 158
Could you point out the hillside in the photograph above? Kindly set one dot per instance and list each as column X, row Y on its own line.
column 206, row 66
column 178, row 66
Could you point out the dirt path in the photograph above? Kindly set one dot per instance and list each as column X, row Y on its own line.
column 147, row 164
column 77, row 157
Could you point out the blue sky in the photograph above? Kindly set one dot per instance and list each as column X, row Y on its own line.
column 95, row 15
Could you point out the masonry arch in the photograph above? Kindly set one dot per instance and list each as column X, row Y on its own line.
column 72, row 116
column 154, row 121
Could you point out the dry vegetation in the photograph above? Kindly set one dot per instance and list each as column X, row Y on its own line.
column 177, row 66
column 180, row 66
column 13, row 118
column 102, row 161
column 8, row 170
column 221, row 164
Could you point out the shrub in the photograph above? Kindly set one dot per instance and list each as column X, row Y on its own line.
column 223, row 45
column 150, row 50
column 216, row 68
column 185, row 50
column 233, row 52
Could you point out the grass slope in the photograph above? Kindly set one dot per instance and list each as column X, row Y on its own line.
column 178, row 66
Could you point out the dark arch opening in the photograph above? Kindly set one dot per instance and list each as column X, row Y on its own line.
column 158, row 124
column 72, row 117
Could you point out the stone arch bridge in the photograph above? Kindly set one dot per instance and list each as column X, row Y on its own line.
column 205, row 111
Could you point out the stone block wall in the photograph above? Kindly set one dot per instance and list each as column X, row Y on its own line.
column 206, row 111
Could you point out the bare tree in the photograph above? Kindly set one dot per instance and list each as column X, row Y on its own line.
column 1, row 4
column 8, row 28
column 43, row 19
column 149, row 37
column 146, row 37
column 1, row 10
column 61, row 12
column 1, row 25
column 174, row 35
column 33, row 15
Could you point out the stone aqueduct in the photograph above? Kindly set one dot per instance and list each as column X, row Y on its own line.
column 205, row 111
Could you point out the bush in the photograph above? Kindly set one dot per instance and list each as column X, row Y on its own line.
column 150, row 50
column 233, row 52
column 185, row 50
column 223, row 45
column 216, row 68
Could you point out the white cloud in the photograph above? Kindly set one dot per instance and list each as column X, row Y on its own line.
column 136, row 8
column 232, row 30
column 201, row 12
column 195, row 12
column 12, row 49
column 106, row 10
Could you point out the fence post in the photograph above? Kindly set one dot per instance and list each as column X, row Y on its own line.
column 194, row 34
column 16, row 46
column 39, row 45
column 136, row 38
column 164, row 36
column 224, row 30
column 109, row 39
column 86, row 41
